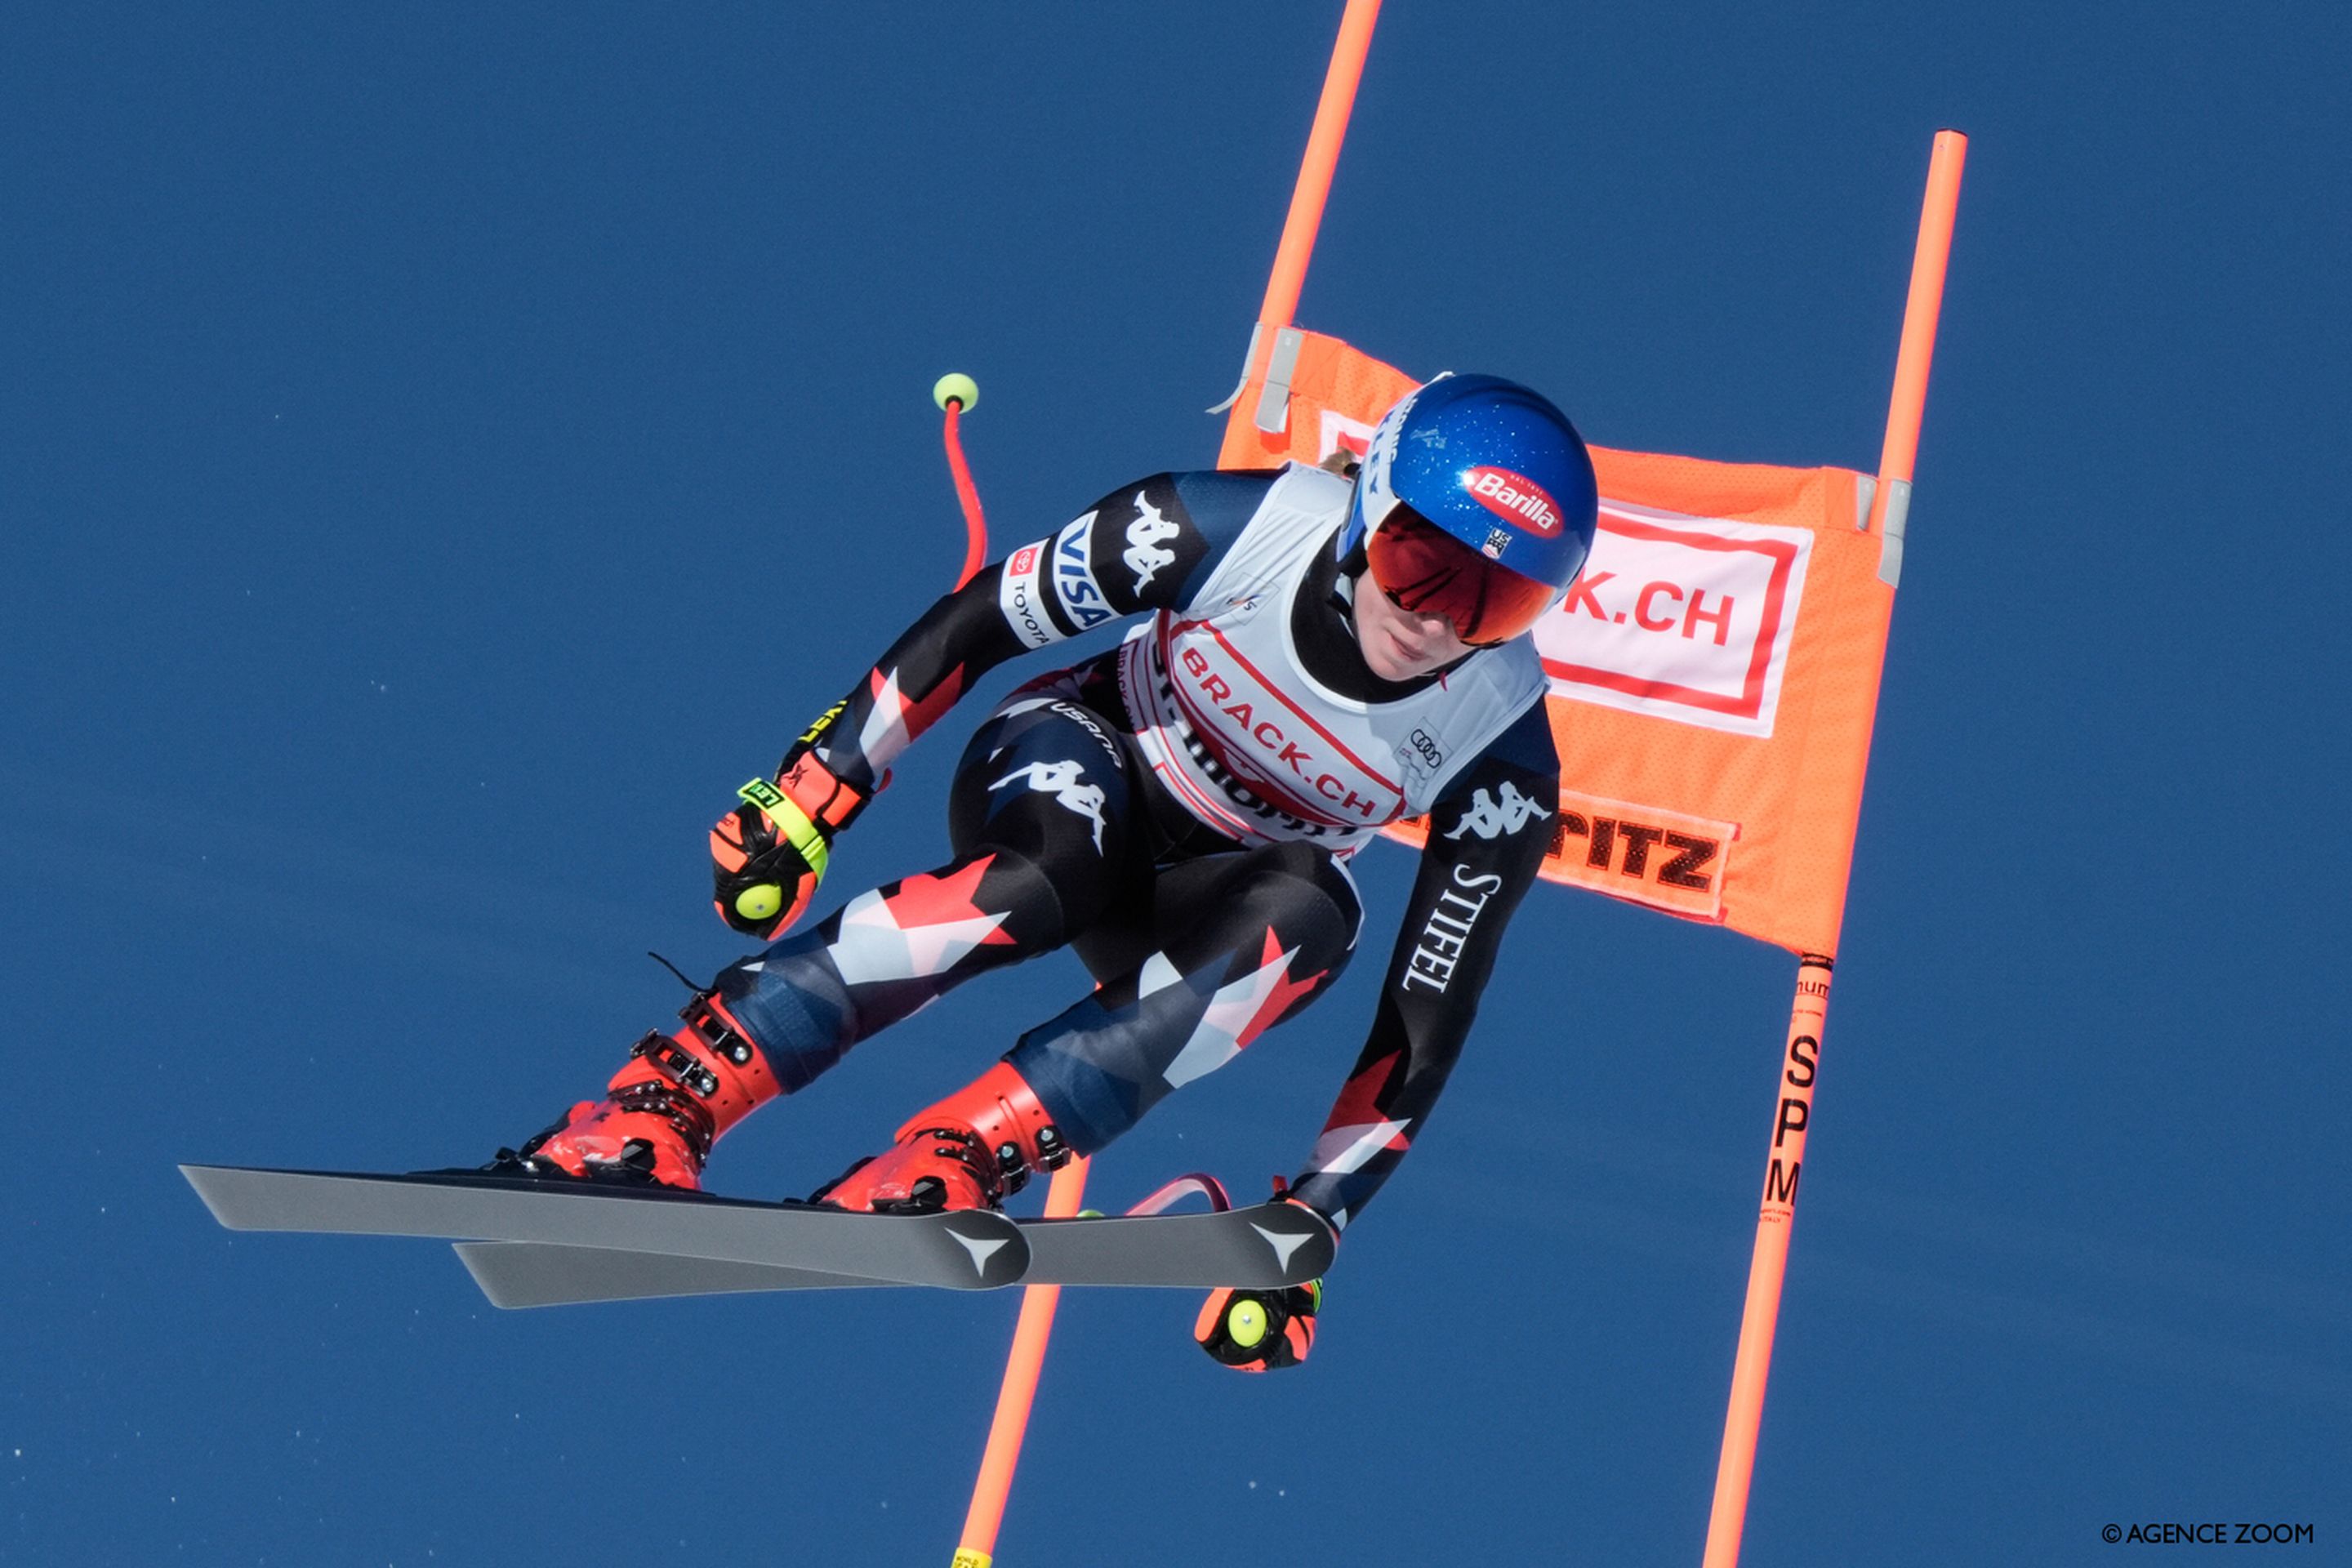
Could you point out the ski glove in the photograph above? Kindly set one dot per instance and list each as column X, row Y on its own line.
column 767, row 855
column 1259, row 1331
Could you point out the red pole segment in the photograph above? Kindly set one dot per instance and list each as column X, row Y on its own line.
column 975, row 525
column 975, row 1549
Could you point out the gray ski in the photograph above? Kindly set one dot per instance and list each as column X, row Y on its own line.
column 1269, row 1246
column 966, row 1250
column 519, row 1274
column 1261, row 1247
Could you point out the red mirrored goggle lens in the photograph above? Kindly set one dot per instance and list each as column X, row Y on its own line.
column 1426, row 571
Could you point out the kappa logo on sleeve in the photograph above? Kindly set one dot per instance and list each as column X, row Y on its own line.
column 1145, row 536
column 1073, row 576
column 1493, row 816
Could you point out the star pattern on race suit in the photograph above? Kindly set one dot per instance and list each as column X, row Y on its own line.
column 1065, row 782
column 1239, row 1012
column 894, row 722
column 1357, row 1131
column 920, row 931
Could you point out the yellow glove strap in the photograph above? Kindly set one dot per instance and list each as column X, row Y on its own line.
column 800, row 831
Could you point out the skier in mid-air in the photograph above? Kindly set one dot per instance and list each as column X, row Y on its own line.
column 1325, row 654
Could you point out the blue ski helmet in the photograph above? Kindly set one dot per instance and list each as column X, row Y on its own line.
column 1493, row 464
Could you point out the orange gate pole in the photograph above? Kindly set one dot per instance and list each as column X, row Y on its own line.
column 1316, row 169
column 1800, row 1064
column 1800, row 1059
column 1035, row 1326
column 977, row 1546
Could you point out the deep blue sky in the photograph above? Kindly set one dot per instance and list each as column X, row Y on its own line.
column 445, row 449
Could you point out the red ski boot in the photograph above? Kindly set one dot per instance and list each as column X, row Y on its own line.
column 662, row 1111
column 971, row 1151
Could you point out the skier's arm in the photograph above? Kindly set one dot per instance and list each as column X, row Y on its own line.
column 1488, row 835
column 1145, row 546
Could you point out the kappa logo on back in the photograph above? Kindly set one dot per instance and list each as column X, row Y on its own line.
column 1516, row 498
column 1145, row 535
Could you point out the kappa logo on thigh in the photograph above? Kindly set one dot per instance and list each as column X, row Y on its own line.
column 1065, row 782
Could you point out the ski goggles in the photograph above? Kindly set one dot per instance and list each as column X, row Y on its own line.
column 1425, row 571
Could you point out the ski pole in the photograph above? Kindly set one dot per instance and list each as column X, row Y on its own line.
column 956, row 392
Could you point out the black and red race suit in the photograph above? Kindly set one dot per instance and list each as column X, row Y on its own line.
column 1180, row 812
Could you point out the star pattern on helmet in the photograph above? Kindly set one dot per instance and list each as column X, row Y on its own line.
column 1357, row 1131
column 1239, row 1012
column 921, row 929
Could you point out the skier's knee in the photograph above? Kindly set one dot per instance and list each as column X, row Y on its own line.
column 1046, row 901
column 1308, row 899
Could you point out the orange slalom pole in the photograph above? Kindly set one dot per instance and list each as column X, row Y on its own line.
column 977, row 1546
column 1316, row 169
column 1908, row 406
column 1800, row 1059
column 1800, row 1065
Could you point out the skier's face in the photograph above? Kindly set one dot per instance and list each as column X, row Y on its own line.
column 1398, row 644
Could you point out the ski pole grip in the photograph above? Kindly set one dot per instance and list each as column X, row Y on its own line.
column 800, row 831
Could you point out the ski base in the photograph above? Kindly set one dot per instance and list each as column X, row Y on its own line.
column 1263, row 1248
column 967, row 1250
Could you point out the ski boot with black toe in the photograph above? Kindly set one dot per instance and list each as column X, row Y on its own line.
column 972, row 1150
column 676, row 1097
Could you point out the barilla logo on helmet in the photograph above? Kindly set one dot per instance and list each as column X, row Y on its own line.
column 1516, row 498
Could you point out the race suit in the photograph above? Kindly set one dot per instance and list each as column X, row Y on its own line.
column 1180, row 812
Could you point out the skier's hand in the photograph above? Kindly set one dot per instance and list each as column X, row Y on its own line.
column 1259, row 1331
column 767, row 855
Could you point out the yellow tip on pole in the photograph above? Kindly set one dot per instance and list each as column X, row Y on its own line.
column 956, row 388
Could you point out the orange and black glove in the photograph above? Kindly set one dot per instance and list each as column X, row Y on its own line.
column 767, row 855
column 1259, row 1331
